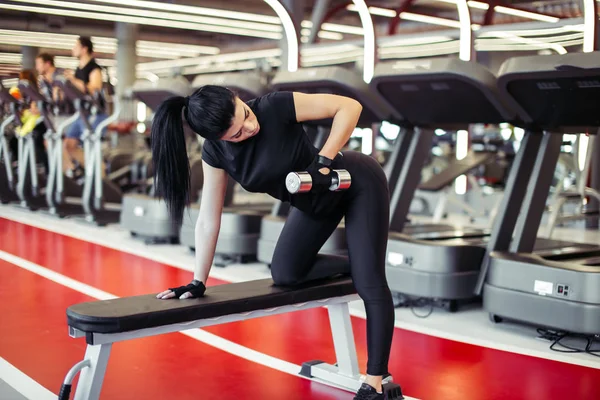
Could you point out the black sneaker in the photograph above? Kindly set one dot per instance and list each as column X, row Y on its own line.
column 391, row 391
column 368, row 392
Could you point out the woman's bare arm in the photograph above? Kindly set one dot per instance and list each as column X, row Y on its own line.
column 345, row 112
column 208, row 224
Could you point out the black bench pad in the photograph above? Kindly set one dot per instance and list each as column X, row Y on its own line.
column 146, row 311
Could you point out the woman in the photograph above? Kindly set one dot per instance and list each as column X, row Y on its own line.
column 258, row 143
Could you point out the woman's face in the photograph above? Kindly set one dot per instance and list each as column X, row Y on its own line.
column 244, row 124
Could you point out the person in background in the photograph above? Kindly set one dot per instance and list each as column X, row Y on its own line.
column 44, row 65
column 88, row 79
column 30, row 122
column 47, row 73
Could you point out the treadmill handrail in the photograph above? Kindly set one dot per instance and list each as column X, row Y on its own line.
column 31, row 91
column 73, row 93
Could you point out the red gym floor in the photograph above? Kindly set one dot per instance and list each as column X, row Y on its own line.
column 34, row 339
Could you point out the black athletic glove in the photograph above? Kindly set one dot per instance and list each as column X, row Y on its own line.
column 320, row 182
column 196, row 289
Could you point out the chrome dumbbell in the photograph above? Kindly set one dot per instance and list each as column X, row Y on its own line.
column 301, row 182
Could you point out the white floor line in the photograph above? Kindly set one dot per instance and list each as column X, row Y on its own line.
column 576, row 359
column 120, row 240
column 22, row 383
column 198, row 334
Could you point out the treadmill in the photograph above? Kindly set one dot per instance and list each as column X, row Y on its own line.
column 449, row 94
column 144, row 216
column 554, row 94
column 333, row 80
column 58, row 186
column 7, row 174
column 30, row 182
column 240, row 222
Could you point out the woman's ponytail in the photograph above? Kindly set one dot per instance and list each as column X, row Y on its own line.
column 170, row 158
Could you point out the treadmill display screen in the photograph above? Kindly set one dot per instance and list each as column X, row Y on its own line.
column 558, row 102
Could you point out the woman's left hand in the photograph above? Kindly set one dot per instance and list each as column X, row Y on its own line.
column 321, row 176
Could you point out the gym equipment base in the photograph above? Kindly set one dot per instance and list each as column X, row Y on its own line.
column 147, row 218
column 271, row 227
column 103, row 323
column 238, row 236
column 443, row 268
column 7, row 190
column 557, row 295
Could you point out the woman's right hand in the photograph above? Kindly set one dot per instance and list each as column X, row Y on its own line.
column 192, row 290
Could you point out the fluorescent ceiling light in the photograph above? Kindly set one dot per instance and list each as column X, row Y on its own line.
column 144, row 48
column 154, row 14
column 239, row 66
column 112, row 42
column 421, row 51
column 479, row 5
column 473, row 4
column 416, row 41
column 355, row 54
column 7, row 83
column 337, row 48
column 525, row 14
column 537, row 32
column 144, row 21
column 228, row 57
column 155, row 5
column 327, row 26
column 427, row 19
column 409, row 16
column 323, row 35
column 533, row 42
column 226, row 14
column 552, row 39
column 383, row 12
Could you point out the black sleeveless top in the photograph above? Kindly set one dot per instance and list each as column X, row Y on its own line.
column 260, row 164
column 84, row 73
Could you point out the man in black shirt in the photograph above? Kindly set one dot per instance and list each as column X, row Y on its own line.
column 87, row 78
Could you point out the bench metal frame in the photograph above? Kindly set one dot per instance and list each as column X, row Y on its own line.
column 345, row 374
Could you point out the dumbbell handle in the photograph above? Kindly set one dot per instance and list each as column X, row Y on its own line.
column 301, row 182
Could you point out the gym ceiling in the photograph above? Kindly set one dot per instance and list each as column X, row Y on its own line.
column 192, row 37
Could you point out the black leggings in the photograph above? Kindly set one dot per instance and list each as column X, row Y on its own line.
column 365, row 206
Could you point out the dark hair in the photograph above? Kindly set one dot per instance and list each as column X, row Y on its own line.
column 28, row 75
column 209, row 112
column 86, row 42
column 47, row 58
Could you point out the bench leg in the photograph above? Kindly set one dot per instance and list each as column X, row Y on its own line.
column 345, row 373
column 343, row 339
column 90, row 381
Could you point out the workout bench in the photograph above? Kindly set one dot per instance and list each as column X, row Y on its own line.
column 103, row 323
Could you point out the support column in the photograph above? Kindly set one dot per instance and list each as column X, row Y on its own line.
column 29, row 54
column 594, row 184
column 296, row 10
column 318, row 14
column 126, row 66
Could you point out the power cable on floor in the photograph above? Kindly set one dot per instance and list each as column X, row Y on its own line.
column 559, row 338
